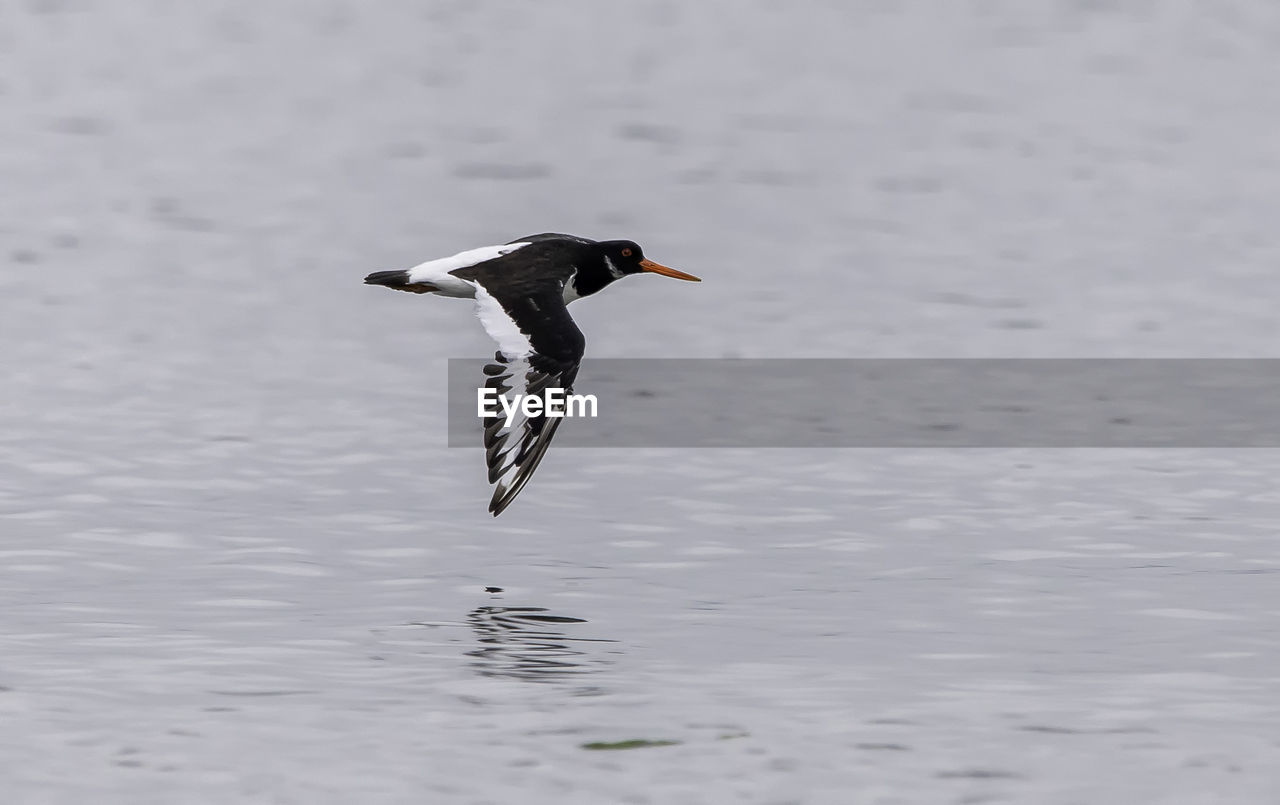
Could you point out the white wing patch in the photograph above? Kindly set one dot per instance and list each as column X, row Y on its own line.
column 513, row 452
column 437, row 273
column 501, row 328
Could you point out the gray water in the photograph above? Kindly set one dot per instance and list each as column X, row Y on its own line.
column 240, row 565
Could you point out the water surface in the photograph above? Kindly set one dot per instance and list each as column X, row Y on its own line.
column 239, row 564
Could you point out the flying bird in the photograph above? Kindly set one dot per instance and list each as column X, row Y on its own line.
column 522, row 290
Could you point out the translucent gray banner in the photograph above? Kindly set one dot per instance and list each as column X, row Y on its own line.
column 907, row 403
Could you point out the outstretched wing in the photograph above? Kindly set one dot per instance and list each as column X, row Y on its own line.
column 539, row 348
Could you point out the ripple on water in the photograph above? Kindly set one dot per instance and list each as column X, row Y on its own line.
column 310, row 571
column 245, row 603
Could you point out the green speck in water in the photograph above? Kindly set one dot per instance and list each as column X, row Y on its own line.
column 634, row 743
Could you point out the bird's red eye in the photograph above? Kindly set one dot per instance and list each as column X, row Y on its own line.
column 626, row 252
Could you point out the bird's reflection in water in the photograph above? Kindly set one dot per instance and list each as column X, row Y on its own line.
column 527, row 643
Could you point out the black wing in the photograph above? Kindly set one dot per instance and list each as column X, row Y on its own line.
column 540, row 348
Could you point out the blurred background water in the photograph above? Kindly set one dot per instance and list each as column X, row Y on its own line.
column 239, row 564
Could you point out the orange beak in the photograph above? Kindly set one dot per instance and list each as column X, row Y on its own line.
column 658, row 268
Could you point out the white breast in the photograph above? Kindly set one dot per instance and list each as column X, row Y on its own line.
column 570, row 292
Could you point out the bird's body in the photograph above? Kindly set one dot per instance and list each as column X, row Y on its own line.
column 522, row 290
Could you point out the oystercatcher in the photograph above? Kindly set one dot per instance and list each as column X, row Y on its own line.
column 521, row 291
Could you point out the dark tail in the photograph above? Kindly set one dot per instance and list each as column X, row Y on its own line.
column 399, row 280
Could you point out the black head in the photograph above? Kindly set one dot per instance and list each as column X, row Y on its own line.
column 607, row 261
column 624, row 257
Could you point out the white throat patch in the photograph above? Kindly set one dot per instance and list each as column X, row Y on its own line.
column 612, row 268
